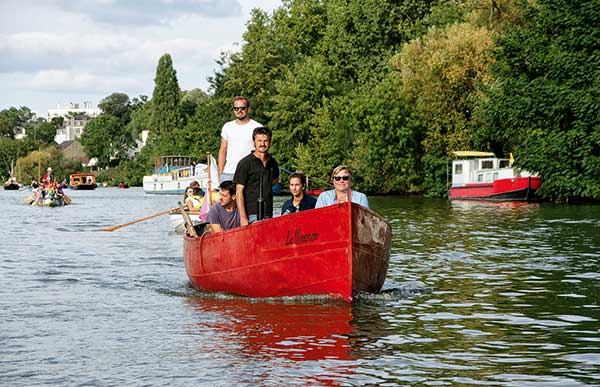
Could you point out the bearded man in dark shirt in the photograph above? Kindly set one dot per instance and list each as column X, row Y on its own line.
column 254, row 177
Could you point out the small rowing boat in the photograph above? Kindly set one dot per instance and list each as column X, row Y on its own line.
column 338, row 250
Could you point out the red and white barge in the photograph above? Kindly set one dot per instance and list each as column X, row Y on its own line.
column 482, row 176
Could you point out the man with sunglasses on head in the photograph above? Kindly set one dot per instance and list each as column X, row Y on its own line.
column 342, row 181
column 236, row 139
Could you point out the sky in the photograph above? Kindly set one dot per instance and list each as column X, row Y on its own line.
column 57, row 52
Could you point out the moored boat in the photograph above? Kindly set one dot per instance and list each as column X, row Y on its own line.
column 486, row 177
column 172, row 174
column 82, row 181
column 177, row 221
column 338, row 250
column 12, row 184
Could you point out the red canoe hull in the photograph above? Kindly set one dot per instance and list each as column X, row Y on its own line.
column 337, row 250
column 515, row 189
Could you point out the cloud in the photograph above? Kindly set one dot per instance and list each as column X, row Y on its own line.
column 58, row 51
column 83, row 82
column 148, row 12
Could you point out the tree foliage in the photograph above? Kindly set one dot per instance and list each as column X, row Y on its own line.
column 106, row 138
column 13, row 119
column 544, row 105
column 33, row 165
column 10, row 151
column 117, row 105
column 441, row 72
column 164, row 117
column 44, row 131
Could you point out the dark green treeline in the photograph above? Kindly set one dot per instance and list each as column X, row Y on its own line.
column 392, row 87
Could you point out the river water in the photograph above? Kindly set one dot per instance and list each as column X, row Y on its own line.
column 477, row 294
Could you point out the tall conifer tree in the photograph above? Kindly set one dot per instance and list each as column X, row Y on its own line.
column 164, row 117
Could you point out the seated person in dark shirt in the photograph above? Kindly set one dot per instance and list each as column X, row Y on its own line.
column 224, row 215
column 300, row 201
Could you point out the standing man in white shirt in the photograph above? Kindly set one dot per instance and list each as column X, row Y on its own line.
column 236, row 139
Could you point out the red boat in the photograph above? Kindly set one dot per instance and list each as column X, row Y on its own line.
column 338, row 250
column 489, row 178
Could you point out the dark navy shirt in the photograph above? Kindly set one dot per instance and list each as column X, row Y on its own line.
column 307, row 203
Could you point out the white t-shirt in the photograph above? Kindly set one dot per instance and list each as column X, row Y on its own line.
column 239, row 142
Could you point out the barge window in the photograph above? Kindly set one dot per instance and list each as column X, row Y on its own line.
column 480, row 177
column 487, row 164
column 504, row 164
column 458, row 169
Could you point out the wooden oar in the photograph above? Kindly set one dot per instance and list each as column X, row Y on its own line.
column 67, row 199
column 189, row 226
column 140, row 220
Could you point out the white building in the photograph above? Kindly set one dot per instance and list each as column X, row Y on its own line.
column 75, row 118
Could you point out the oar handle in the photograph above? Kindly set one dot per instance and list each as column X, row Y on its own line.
column 188, row 222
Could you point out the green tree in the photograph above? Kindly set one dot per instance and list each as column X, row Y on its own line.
column 387, row 149
column 34, row 164
column 190, row 100
column 141, row 111
column 164, row 117
column 544, row 106
column 441, row 73
column 13, row 120
column 10, row 151
column 43, row 131
column 203, row 130
column 118, row 105
column 299, row 95
column 106, row 138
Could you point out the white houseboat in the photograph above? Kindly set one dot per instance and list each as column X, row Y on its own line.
column 172, row 174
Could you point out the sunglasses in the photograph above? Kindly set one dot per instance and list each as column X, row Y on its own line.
column 338, row 178
column 239, row 108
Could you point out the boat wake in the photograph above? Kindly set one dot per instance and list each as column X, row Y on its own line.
column 393, row 290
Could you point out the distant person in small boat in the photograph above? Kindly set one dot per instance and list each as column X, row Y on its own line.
column 48, row 176
column 259, row 170
column 224, row 215
column 55, row 191
column 342, row 181
column 236, row 139
column 38, row 194
column 300, row 201
column 193, row 201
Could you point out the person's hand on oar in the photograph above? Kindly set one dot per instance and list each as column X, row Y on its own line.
column 140, row 220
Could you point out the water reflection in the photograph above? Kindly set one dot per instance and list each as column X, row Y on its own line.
column 514, row 296
column 310, row 333
column 295, row 331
